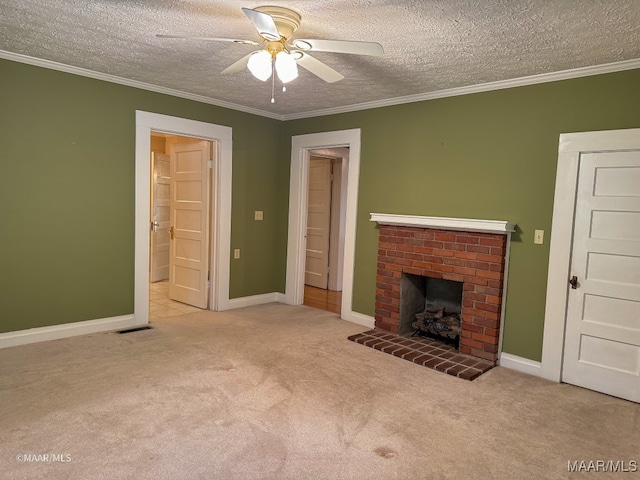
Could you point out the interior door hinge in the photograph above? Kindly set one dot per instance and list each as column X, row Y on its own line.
column 208, row 284
column 210, row 163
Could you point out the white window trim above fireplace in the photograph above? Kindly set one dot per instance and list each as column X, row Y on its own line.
column 466, row 224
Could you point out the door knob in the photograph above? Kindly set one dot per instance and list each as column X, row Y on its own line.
column 574, row 282
column 171, row 232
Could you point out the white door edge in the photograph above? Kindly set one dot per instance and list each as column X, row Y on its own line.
column 300, row 146
column 146, row 122
column 571, row 146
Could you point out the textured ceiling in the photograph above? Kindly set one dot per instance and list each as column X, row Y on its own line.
column 429, row 45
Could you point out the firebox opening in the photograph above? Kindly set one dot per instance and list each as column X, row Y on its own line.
column 430, row 300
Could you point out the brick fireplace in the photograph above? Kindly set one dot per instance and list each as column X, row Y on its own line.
column 473, row 252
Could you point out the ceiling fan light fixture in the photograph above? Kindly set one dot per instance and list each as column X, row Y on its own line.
column 286, row 67
column 259, row 65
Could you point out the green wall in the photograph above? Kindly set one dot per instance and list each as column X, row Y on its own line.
column 67, row 195
column 67, row 185
column 488, row 155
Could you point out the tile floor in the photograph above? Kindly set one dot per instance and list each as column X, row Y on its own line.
column 161, row 306
column 424, row 351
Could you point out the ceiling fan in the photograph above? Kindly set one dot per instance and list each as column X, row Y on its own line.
column 281, row 54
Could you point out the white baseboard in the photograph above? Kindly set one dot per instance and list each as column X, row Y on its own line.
column 360, row 319
column 256, row 300
column 54, row 332
column 520, row 364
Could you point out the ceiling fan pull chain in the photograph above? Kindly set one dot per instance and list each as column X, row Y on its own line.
column 273, row 81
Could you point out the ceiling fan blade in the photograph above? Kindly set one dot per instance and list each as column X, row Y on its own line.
column 212, row 39
column 239, row 65
column 325, row 72
column 264, row 23
column 339, row 46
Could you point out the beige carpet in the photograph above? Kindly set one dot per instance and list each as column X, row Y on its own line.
column 278, row 392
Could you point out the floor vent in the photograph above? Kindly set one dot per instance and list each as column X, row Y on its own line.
column 137, row 329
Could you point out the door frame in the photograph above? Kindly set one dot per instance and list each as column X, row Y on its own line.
column 298, row 192
column 571, row 148
column 219, row 255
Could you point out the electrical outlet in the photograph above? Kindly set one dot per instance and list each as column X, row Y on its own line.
column 236, row 253
column 259, row 215
column 538, row 237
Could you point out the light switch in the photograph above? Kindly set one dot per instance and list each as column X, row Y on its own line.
column 259, row 215
column 236, row 253
column 538, row 237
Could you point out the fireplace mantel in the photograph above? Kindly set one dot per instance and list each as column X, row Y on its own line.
column 445, row 223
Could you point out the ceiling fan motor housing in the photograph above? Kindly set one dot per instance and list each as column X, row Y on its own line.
column 287, row 21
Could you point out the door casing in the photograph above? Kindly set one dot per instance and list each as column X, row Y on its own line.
column 571, row 147
column 146, row 122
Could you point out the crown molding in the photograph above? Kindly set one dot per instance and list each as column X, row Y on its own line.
column 39, row 62
column 420, row 97
column 483, row 87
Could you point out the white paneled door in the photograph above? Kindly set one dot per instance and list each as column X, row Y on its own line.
column 188, row 260
column 160, row 217
column 602, row 342
column 318, row 222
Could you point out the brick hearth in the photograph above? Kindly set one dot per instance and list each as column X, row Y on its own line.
column 423, row 351
column 475, row 258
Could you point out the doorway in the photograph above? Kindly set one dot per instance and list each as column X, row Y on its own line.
column 220, row 204
column 301, row 145
column 180, row 224
column 326, row 215
column 591, row 332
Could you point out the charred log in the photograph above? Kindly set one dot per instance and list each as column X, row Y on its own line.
column 436, row 322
